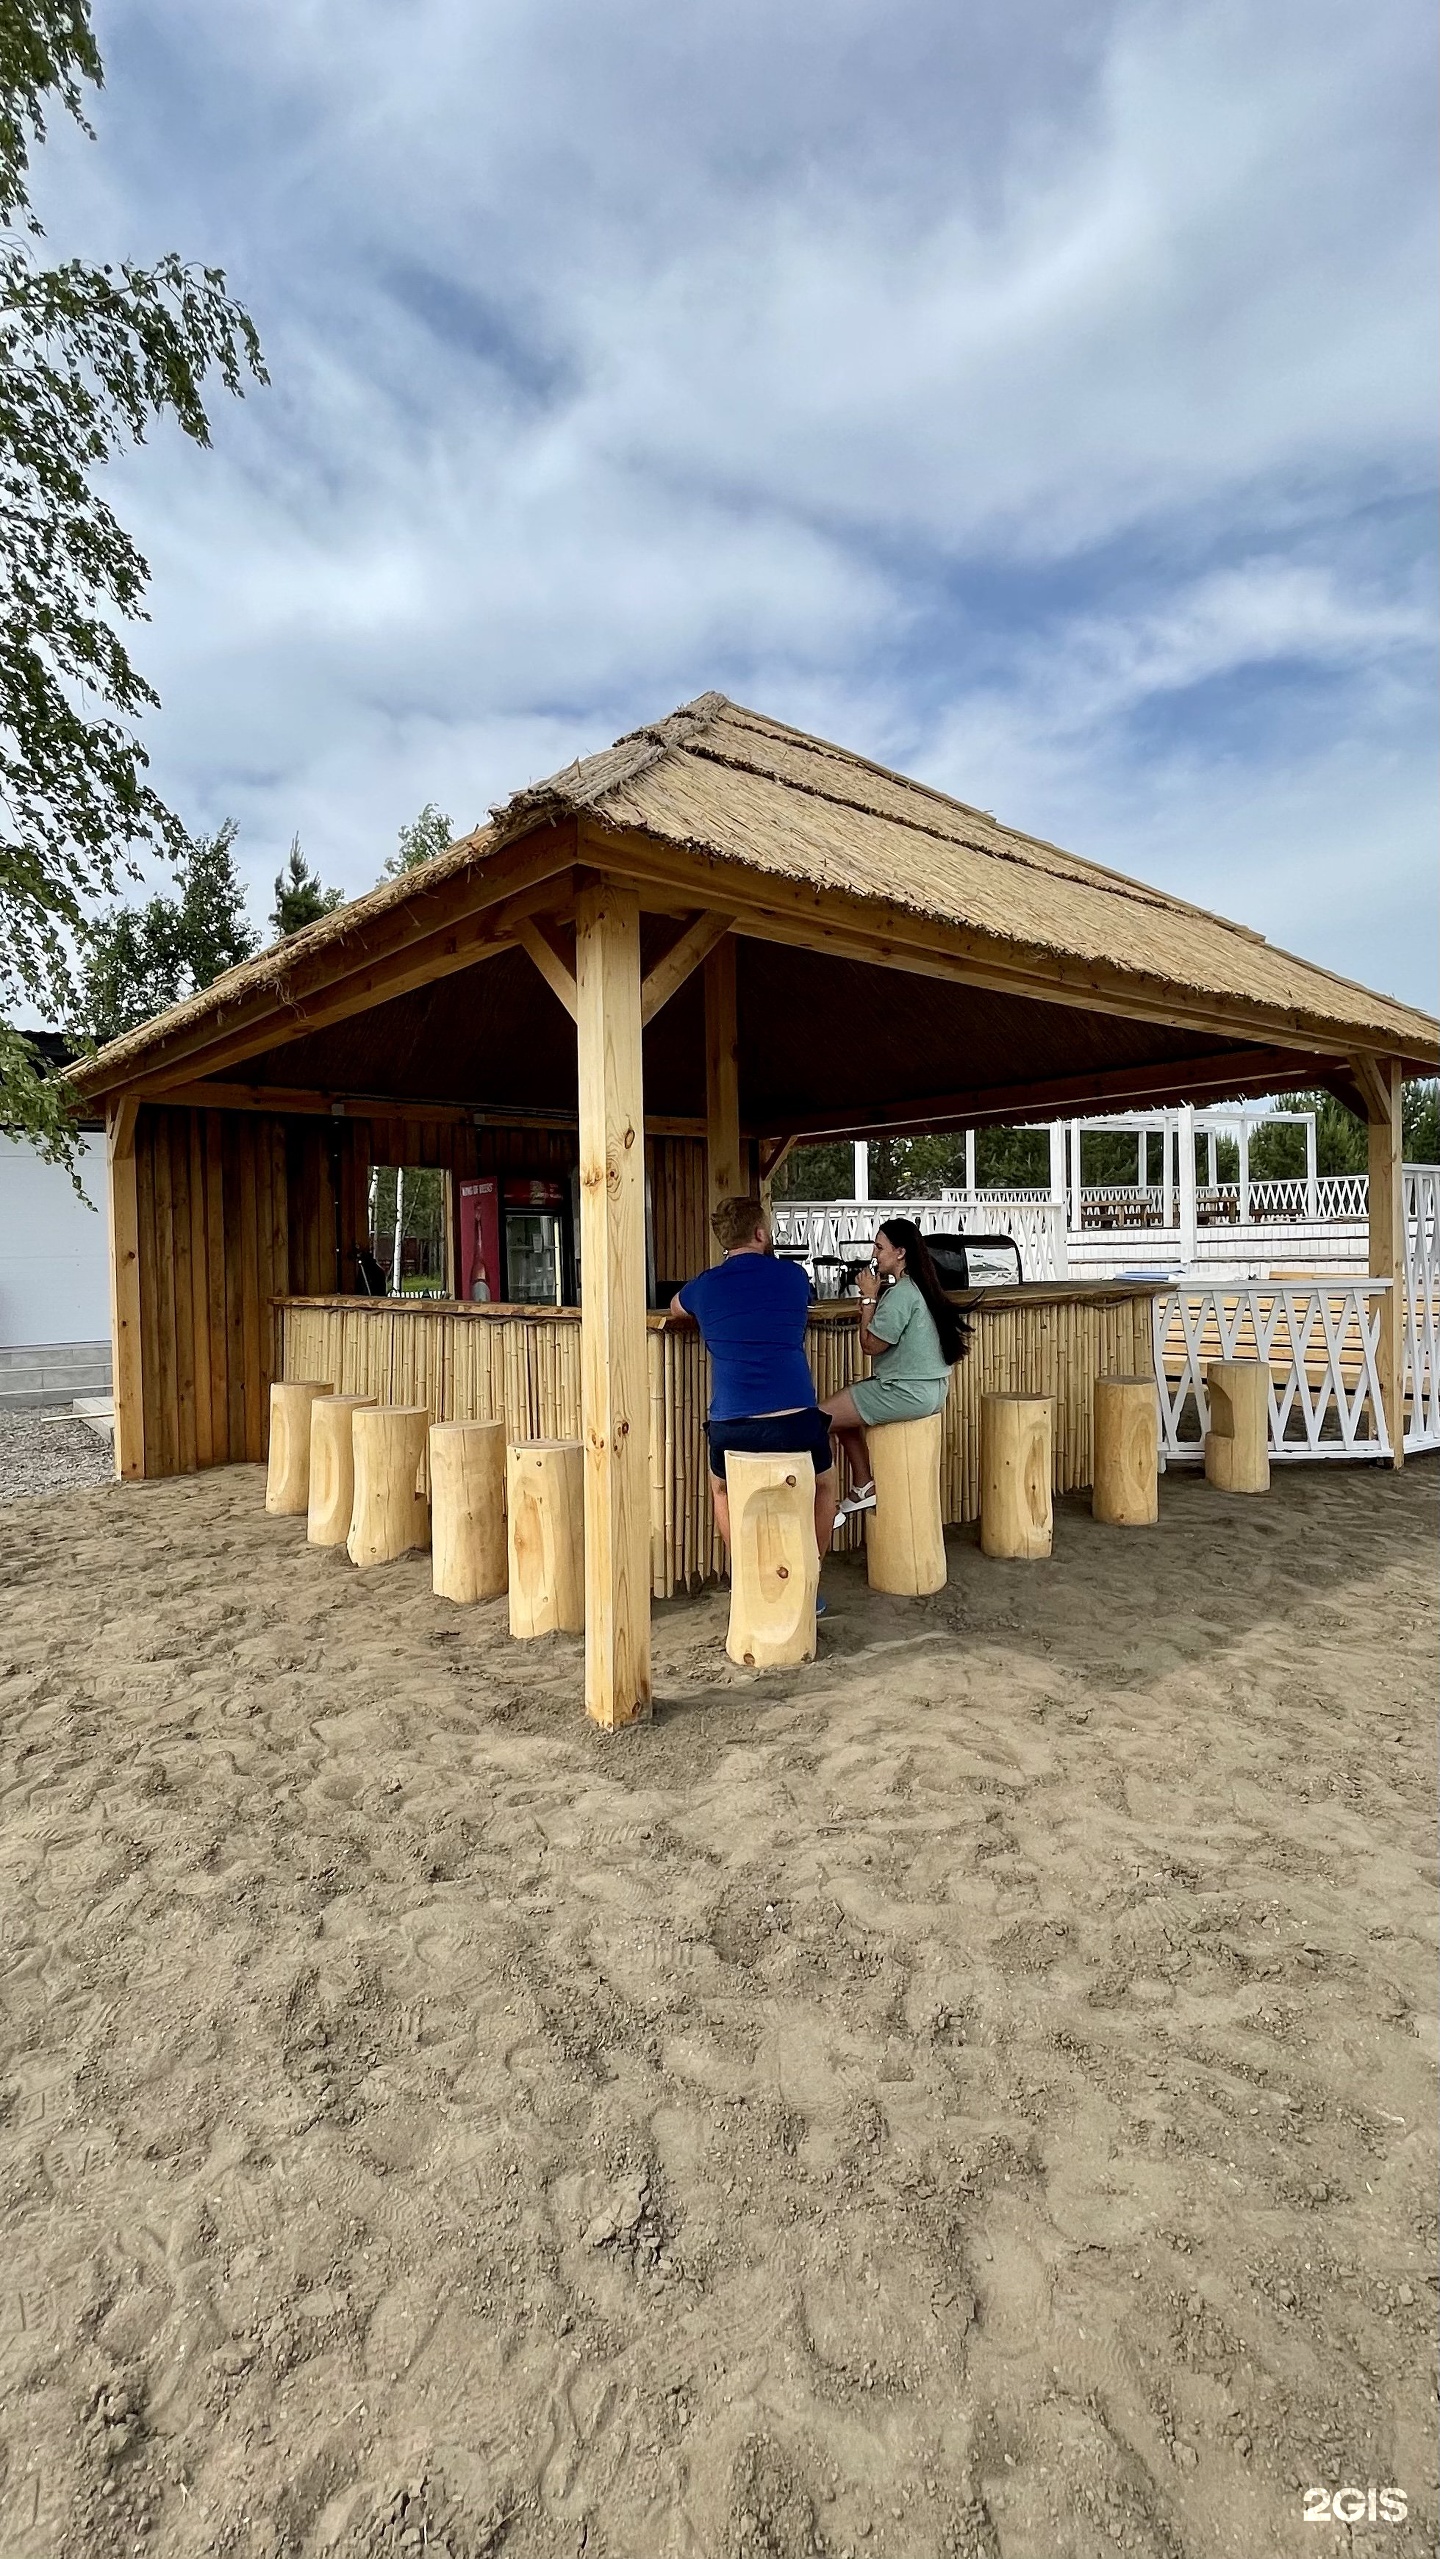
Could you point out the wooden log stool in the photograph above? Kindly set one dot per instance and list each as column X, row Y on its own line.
column 1127, row 1452
column 332, row 1467
column 1237, row 1444
column 545, row 1506
column 467, row 1510
column 1016, row 1511
column 287, row 1482
column 390, row 1514
column 774, row 1560
column 905, row 1534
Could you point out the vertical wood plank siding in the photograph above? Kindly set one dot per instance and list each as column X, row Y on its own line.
column 483, row 1364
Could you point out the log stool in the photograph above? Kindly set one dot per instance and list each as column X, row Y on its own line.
column 287, row 1483
column 774, row 1560
column 332, row 1467
column 390, row 1514
column 1237, row 1444
column 545, row 1505
column 467, row 1510
column 1016, row 1513
column 1127, row 1452
column 904, row 1534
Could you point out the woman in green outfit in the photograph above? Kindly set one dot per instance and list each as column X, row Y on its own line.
column 914, row 1337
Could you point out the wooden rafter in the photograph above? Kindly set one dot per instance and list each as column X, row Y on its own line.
column 1229, row 1072
column 534, row 940
column 680, row 962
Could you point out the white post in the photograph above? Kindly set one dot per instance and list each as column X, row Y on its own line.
column 1212, row 1160
column 1243, row 1135
column 1075, row 1178
column 862, row 1168
column 1185, row 1142
column 399, row 1230
column 1312, row 1186
column 1057, row 1160
column 970, row 1161
column 1142, row 1168
column 1167, row 1130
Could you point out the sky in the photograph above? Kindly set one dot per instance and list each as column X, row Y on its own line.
column 1035, row 395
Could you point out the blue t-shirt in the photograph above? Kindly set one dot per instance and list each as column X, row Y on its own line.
column 752, row 1311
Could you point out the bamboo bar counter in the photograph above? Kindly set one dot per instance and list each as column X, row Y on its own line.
column 521, row 1365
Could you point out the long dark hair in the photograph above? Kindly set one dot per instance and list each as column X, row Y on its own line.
column 950, row 1324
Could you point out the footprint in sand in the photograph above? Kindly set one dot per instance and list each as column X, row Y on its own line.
column 1012, row 2293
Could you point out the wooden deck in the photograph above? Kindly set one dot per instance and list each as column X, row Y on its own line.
column 522, row 1365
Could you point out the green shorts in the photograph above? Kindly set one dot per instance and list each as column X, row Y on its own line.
column 898, row 1399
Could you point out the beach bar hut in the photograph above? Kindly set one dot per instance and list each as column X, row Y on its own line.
column 636, row 986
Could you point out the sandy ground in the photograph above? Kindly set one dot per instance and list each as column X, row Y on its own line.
column 971, row 2098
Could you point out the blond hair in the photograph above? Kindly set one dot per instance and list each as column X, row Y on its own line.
column 734, row 1221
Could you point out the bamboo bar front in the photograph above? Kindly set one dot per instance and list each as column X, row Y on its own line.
column 521, row 1365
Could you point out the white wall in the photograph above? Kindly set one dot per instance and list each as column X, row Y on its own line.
column 54, row 1251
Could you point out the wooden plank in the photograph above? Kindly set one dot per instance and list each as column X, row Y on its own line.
column 252, row 1313
column 176, row 1141
column 1228, row 1075
column 535, row 942
column 149, row 1334
column 722, row 1081
column 680, row 962
column 126, row 1357
column 167, row 1371
column 1382, row 1088
column 199, row 1289
column 614, row 1375
column 209, row 1125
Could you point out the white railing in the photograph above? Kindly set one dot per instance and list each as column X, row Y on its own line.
column 1422, row 1306
column 1320, row 1340
column 841, row 1229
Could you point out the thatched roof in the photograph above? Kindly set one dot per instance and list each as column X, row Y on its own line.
column 718, row 779
column 746, row 794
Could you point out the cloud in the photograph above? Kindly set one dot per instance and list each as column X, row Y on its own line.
column 1036, row 394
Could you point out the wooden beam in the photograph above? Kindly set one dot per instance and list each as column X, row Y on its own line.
column 409, row 946
column 768, row 907
column 773, row 1151
column 293, row 1101
column 1381, row 1086
column 614, row 1377
column 722, row 1081
column 536, row 942
column 680, row 962
column 1225, row 1075
column 126, row 1370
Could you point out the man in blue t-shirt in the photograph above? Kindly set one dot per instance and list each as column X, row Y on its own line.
column 752, row 1311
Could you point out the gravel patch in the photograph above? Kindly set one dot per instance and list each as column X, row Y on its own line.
column 38, row 1455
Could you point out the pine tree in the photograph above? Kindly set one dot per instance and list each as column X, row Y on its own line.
column 299, row 897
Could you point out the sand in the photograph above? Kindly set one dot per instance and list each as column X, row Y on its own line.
column 971, row 2098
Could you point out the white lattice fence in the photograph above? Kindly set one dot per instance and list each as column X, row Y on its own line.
column 843, row 1228
column 1422, row 1306
column 1319, row 1342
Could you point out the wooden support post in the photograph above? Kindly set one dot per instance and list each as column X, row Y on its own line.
column 774, row 1561
column 391, row 1514
column 545, row 1506
column 904, row 1534
column 127, row 1377
column 614, row 1378
column 1237, row 1444
column 1127, row 1452
column 1379, row 1081
column 1016, row 1508
column 467, row 1510
column 287, row 1483
column 724, row 1170
column 332, row 1467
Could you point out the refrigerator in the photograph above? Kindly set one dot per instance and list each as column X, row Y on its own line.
column 516, row 1242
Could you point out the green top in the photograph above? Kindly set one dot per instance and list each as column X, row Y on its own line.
column 902, row 1318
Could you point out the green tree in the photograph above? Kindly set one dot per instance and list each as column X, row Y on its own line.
column 90, row 358
column 420, row 841
column 299, row 897
column 139, row 960
column 1420, row 1113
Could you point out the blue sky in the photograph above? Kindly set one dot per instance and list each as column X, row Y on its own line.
column 1035, row 395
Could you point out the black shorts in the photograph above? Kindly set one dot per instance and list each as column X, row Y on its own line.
column 781, row 1434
